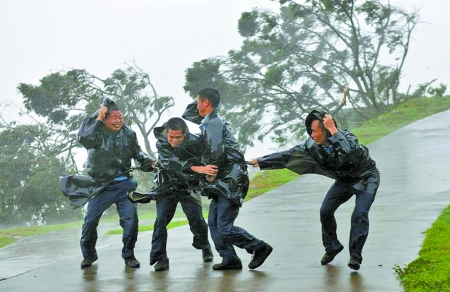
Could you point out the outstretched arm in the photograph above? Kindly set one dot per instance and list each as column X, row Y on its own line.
column 275, row 160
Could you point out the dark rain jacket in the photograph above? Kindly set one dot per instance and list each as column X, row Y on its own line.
column 348, row 161
column 174, row 174
column 220, row 149
column 109, row 156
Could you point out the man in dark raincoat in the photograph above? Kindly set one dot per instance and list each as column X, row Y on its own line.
column 228, row 187
column 111, row 145
column 337, row 154
column 178, row 151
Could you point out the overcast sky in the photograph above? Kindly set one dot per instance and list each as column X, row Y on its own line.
column 164, row 38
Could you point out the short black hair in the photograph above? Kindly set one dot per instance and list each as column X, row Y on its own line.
column 210, row 94
column 176, row 124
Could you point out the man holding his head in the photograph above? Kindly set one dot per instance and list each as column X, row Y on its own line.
column 337, row 154
column 111, row 146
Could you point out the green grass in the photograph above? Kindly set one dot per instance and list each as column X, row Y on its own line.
column 404, row 114
column 179, row 221
column 4, row 240
column 8, row 236
column 265, row 181
column 429, row 272
column 172, row 224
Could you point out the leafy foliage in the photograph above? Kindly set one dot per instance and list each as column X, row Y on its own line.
column 30, row 168
column 301, row 58
column 32, row 157
column 63, row 98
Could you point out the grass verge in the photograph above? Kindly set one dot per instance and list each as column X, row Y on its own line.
column 179, row 221
column 8, row 236
column 172, row 224
column 402, row 115
column 429, row 272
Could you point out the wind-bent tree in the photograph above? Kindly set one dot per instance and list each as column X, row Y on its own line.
column 30, row 167
column 63, row 98
column 32, row 157
column 301, row 58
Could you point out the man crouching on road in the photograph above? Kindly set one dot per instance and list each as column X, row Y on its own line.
column 111, row 145
column 337, row 154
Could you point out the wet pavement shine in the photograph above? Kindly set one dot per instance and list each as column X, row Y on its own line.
column 414, row 163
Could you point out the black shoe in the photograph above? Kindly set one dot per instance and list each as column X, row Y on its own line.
column 222, row 267
column 132, row 262
column 162, row 265
column 354, row 263
column 259, row 256
column 207, row 255
column 328, row 257
column 86, row 263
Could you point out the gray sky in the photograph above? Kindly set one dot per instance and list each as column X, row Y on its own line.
column 164, row 38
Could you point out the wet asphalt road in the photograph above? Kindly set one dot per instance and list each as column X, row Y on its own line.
column 414, row 163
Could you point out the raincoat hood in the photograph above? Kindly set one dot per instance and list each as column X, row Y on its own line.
column 316, row 115
column 110, row 104
column 191, row 114
column 160, row 133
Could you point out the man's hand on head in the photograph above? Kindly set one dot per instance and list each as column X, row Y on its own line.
column 329, row 124
column 102, row 113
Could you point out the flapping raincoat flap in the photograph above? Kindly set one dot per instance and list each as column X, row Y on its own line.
column 301, row 162
column 79, row 188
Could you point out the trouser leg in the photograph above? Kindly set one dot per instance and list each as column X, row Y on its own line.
column 95, row 209
column 127, row 211
column 225, row 249
column 360, row 224
column 197, row 223
column 336, row 196
column 230, row 234
column 360, row 217
column 165, row 210
column 235, row 235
